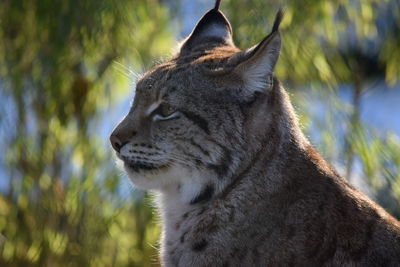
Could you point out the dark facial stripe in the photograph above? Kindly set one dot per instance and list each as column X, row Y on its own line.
column 198, row 120
column 189, row 156
column 273, row 135
column 223, row 166
column 182, row 239
column 199, row 245
column 193, row 143
column 204, row 195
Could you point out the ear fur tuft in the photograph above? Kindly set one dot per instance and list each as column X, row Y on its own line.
column 217, row 4
column 278, row 19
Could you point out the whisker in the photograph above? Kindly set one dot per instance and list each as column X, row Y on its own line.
column 128, row 72
column 178, row 160
column 186, row 160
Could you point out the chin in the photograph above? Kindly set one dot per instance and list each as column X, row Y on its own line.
column 153, row 179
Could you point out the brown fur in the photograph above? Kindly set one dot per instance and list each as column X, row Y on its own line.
column 237, row 182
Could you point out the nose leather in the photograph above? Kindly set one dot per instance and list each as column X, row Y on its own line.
column 116, row 143
column 121, row 136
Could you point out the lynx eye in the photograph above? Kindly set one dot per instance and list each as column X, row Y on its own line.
column 164, row 112
column 166, row 109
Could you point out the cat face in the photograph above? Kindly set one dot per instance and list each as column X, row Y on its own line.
column 191, row 117
column 179, row 121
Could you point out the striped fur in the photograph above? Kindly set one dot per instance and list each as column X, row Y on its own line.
column 237, row 183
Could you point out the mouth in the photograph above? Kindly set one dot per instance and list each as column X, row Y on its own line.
column 143, row 166
column 137, row 164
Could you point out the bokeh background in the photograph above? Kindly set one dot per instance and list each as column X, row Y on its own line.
column 67, row 75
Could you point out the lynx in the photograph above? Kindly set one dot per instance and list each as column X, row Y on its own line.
column 213, row 134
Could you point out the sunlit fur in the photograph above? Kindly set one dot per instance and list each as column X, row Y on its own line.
column 237, row 183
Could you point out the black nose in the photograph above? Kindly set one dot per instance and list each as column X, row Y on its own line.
column 117, row 143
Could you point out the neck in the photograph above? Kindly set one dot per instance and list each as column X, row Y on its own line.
column 185, row 225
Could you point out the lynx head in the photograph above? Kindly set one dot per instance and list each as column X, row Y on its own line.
column 198, row 118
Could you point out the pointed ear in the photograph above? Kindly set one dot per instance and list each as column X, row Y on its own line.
column 213, row 28
column 258, row 66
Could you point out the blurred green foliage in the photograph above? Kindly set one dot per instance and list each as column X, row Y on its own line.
column 61, row 72
column 61, row 207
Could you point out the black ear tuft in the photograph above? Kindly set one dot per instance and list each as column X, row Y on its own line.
column 278, row 20
column 217, row 4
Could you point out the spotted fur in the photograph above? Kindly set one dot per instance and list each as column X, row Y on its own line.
column 213, row 134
